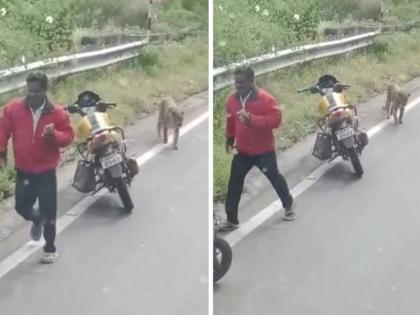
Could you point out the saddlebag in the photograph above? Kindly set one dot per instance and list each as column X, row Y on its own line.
column 84, row 177
column 363, row 139
column 322, row 148
column 133, row 167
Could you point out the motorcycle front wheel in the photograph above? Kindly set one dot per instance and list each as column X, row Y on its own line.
column 125, row 197
column 222, row 258
column 355, row 161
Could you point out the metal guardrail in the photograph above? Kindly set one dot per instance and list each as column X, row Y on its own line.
column 222, row 76
column 113, row 39
column 14, row 78
column 331, row 33
column 352, row 30
column 174, row 36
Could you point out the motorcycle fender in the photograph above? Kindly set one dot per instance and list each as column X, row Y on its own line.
column 115, row 171
column 348, row 143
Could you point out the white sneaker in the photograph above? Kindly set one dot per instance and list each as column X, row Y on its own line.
column 289, row 214
column 48, row 258
column 227, row 226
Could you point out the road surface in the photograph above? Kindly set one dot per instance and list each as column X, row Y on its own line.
column 354, row 248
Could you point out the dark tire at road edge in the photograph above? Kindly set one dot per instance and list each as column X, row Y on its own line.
column 124, row 194
column 222, row 246
column 355, row 161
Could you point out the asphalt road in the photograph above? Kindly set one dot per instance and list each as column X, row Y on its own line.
column 154, row 261
column 354, row 248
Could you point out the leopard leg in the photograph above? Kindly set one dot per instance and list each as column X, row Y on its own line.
column 401, row 114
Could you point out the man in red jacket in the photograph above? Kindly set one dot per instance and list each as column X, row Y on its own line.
column 38, row 129
column 252, row 115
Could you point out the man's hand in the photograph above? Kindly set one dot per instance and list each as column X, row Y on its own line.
column 244, row 117
column 229, row 144
column 49, row 132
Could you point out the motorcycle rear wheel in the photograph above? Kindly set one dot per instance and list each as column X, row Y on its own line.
column 125, row 197
column 222, row 249
column 355, row 161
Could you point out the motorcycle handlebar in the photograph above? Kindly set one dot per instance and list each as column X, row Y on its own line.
column 108, row 104
column 311, row 89
column 304, row 90
column 316, row 88
column 75, row 108
column 344, row 86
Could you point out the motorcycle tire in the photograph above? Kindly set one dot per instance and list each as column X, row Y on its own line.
column 124, row 194
column 222, row 248
column 355, row 161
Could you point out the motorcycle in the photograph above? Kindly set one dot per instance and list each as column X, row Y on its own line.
column 103, row 162
column 222, row 254
column 339, row 125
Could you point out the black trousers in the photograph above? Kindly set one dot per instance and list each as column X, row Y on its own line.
column 241, row 165
column 29, row 188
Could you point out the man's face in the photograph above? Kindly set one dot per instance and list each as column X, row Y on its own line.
column 36, row 94
column 243, row 84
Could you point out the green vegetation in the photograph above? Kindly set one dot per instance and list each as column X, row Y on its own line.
column 33, row 29
column 245, row 28
column 183, row 14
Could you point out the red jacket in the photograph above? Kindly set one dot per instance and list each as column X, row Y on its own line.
column 258, row 137
column 32, row 153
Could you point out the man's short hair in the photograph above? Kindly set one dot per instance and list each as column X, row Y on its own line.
column 38, row 76
column 248, row 71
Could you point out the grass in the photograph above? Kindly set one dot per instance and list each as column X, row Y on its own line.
column 40, row 29
column 393, row 56
column 177, row 68
column 247, row 28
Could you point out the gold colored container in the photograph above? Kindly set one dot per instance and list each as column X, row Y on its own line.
column 340, row 101
column 95, row 123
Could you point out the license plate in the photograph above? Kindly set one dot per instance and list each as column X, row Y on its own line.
column 111, row 160
column 344, row 133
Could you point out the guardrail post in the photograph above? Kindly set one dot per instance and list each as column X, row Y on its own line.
column 149, row 19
